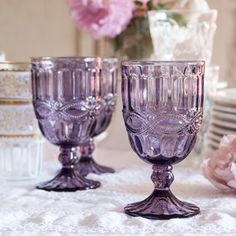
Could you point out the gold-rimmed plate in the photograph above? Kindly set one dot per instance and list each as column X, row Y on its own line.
column 15, row 66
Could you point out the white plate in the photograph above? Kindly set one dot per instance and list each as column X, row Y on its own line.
column 223, row 108
column 227, row 96
column 223, row 124
column 214, row 137
column 212, row 144
column 101, row 137
column 224, row 116
column 210, row 149
column 221, row 131
column 212, row 132
column 222, row 85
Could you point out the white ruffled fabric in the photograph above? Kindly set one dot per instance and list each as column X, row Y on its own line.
column 26, row 211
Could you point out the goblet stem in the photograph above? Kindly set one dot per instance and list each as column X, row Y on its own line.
column 87, row 164
column 162, row 204
column 68, row 180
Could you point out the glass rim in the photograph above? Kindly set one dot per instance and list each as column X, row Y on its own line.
column 212, row 11
column 160, row 63
column 74, row 58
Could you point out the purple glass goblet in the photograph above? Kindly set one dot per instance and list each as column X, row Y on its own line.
column 66, row 99
column 108, row 74
column 162, row 110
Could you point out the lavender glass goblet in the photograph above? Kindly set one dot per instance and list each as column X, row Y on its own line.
column 108, row 76
column 66, row 99
column 162, row 110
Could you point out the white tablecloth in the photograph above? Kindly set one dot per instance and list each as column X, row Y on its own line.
column 27, row 211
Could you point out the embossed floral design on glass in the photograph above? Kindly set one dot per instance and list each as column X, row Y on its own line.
column 108, row 82
column 182, row 34
column 162, row 110
column 66, row 102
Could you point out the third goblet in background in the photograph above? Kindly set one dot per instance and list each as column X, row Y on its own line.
column 108, row 79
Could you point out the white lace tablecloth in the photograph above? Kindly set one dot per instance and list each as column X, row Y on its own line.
column 27, row 211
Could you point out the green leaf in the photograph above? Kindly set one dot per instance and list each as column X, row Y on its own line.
column 138, row 3
column 160, row 6
column 179, row 19
column 149, row 5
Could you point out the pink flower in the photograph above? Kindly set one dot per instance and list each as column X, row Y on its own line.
column 220, row 169
column 102, row 18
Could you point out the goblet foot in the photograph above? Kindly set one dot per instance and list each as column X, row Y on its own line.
column 161, row 205
column 87, row 165
column 68, row 180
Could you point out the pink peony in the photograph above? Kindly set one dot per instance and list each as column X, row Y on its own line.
column 220, row 169
column 102, row 18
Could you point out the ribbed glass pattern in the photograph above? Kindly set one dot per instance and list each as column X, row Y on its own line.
column 20, row 157
column 109, row 71
column 67, row 97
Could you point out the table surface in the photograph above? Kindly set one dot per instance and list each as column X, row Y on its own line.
column 27, row 211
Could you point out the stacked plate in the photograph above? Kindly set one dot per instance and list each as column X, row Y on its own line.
column 223, row 119
column 20, row 140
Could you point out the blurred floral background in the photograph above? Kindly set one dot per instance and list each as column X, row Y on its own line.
column 45, row 27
